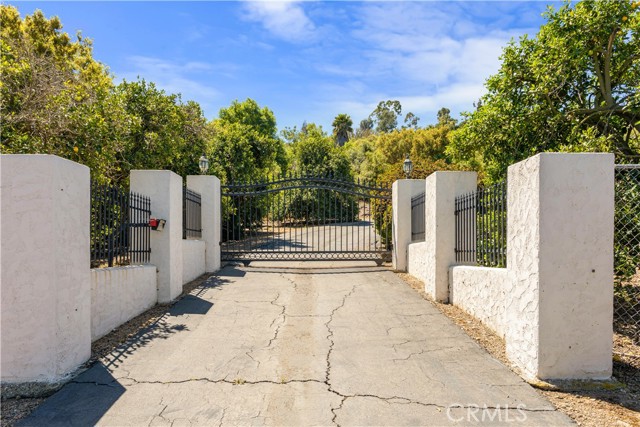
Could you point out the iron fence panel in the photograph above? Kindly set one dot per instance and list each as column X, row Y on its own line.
column 191, row 214
column 306, row 217
column 481, row 226
column 417, row 218
column 119, row 233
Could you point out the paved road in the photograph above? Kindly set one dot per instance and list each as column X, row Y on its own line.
column 339, row 237
column 300, row 344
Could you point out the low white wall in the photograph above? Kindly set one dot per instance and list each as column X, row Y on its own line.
column 417, row 260
column 401, row 193
column 118, row 294
column 193, row 259
column 481, row 292
column 553, row 302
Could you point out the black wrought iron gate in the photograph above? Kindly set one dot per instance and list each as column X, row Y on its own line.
column 306, row 217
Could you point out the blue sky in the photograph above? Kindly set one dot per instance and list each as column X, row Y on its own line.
column 305, row 60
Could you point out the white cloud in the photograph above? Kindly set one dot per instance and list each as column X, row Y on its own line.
column 284, row 19
column 174, row 77
column 457, row 97
column 427, row 55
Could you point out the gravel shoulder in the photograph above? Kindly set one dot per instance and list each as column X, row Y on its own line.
column 590, row 408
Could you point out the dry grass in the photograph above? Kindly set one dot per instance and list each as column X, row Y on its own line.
column 590, row 406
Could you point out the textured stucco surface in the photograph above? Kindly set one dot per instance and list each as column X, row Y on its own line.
column 165, row 190
column 118, row 294
column 440, row 229
column 523, row 253
column 402, row 192
column 553, row 304
column 417, row 260
column 480, row 291
column 209, row 188
column 576, row 265
column 193, row 262
column 44, row 272
column 560, row 240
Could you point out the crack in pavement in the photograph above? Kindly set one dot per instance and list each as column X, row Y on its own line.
column 278, row 322
column 330, row 334
column 335, row 413
column 161, row 417
column 401, row 400
column 423, row 351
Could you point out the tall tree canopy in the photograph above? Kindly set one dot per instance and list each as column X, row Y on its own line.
column 244, row 145
column 164, row 132
column 313, row 152
column 573, row 87
column 386, row 115
column 54, row 97
column 342, row 128
column 380, row 156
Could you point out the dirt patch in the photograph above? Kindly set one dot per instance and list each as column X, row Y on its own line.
column 13, row 410
column 589, row 408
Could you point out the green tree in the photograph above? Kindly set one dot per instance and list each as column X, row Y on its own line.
column 342, row 128
column 573, row 87
column 244, row 144
column 411, row 121
column 444, row 118
column 314, row 153
column 249, row 113
column 164, row 132
column 365, row 128
column 54, row 97
column 386, row 115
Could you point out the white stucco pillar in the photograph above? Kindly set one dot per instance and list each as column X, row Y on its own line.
column 560, row 254
column 402, row 192
column 44, row 267
column 209, row 188
column 165, row 190
column 441, row 190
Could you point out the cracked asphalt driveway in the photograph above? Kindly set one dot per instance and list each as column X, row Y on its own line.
column 299, row 343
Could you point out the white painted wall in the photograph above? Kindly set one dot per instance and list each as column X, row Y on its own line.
column 118, row 294
column 44, row 267
column 560, row 248
column 553, row 302
column 417, row 260
column 193, row 259
column 442, row 188
column 165, row 190
column 481, row 292
column 402, row 192
column 209, row 188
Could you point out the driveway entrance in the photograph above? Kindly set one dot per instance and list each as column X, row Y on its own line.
column 306, row 217
column 300, row 343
